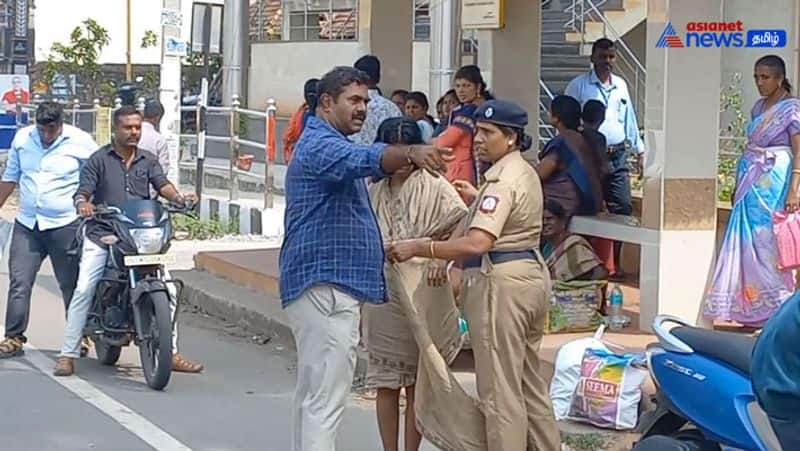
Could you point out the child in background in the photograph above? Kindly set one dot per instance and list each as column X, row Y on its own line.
column 593, row 115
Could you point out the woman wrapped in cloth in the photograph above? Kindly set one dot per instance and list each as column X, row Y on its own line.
column 410, row 203
column 506, row 291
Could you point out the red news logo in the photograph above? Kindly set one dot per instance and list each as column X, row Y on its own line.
column 715, row 27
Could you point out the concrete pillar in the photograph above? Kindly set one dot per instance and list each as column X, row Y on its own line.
column 509, row 58
column 386, row 31
column 681, row 123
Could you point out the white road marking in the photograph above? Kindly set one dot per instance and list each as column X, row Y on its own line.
column 127, row 418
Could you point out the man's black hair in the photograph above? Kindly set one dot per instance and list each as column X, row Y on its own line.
column 125, row 111
column 153, row 109
column 334, row 82
column 370, row 65
column 602, row 44
column 48, row 113
column 594, row 112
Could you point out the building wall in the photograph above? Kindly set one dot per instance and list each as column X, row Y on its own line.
column 781, row 14
column 54, row 20
column 279, row 69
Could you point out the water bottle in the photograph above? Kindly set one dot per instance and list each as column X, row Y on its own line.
column 616, row 319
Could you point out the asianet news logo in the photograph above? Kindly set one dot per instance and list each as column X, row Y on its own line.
column 720, row 34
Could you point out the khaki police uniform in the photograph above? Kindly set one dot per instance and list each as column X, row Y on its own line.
column 506, row 303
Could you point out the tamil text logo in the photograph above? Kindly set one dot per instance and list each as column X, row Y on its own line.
column 720, row 34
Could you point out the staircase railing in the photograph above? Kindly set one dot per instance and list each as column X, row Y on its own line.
column 583, row 11
column 546, row 131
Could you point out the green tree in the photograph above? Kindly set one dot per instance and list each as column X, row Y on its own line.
column 150, row 78
column 732, row 134
column 79, row 58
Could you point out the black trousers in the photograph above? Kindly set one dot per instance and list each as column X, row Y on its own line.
column 29, row 248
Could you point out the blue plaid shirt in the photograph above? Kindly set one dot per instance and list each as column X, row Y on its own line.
column 332, row 236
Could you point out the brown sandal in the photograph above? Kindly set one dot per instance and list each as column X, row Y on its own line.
column 181, row 364
column 11, row 347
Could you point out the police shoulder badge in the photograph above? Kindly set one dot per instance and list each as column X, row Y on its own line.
column 489, row 204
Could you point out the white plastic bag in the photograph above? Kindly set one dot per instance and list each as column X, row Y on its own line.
column 568, row 371
column 609, row 390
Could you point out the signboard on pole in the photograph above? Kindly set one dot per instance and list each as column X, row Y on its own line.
column 201, row 34
column 482, row 14
column 171, row 18
column 175, row 47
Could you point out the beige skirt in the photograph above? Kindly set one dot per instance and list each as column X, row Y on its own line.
column 393, row 350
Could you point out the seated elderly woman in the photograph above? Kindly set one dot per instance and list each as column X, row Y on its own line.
column 569, row 257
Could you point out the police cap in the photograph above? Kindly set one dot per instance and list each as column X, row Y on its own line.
column 502, row 112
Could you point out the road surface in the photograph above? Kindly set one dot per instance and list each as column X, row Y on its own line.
column 241, row 402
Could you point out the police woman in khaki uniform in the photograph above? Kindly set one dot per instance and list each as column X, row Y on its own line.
column 506, row 287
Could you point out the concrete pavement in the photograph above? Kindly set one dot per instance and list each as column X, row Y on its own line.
column 241, row 402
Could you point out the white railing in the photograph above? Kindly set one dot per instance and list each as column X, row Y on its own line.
column 583, row 11
column 239, row 163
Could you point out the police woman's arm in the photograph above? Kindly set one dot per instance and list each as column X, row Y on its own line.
column 475, row 242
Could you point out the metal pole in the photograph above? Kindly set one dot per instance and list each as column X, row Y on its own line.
column 268, row 178
column 207, row 43
column 444, row 46
column 234, row 176
column 76, row 104
column 95, row 111
column 128, row 64
column 234, row 41
column 18, row 110
column 202, row 104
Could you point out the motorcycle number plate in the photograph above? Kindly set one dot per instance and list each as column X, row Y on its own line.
column 149, row 260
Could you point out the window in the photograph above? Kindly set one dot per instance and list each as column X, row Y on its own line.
column 321, row 20
column 422, row 20
column 303, row 20
column 266, row 20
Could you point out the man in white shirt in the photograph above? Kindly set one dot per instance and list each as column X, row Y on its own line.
column 152, row 140
column 620, row 127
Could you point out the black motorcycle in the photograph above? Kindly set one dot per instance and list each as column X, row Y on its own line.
column 132, row 302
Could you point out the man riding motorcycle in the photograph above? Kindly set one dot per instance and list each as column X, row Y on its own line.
column 117, row 172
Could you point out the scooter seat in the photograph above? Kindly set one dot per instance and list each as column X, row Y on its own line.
column 728, row 347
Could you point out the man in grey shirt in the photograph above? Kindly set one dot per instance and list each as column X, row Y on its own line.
column 152, row 140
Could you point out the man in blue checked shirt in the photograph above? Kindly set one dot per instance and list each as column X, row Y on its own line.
column 44, row 162
column 332, row 256
column 619, row 127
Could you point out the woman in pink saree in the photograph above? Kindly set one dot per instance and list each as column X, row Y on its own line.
column 748, row 287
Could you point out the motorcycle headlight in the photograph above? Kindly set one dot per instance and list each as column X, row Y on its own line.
column 148, row 241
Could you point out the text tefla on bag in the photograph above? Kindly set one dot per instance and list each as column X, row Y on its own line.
column 609, row 390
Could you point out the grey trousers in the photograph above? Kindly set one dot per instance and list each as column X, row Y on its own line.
column 324, row 322
column 28, row 250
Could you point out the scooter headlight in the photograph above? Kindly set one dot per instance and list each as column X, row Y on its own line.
column 148, row 241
